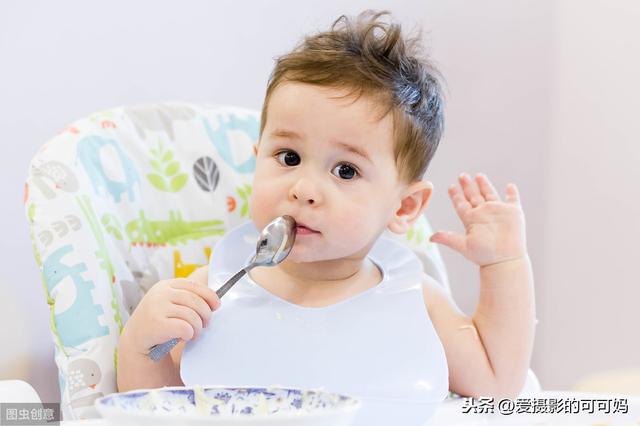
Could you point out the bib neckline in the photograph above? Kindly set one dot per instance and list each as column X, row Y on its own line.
column 337, row 304
column 235, row 249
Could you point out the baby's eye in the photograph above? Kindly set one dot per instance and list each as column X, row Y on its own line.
column 346, row 171
column 290, row 158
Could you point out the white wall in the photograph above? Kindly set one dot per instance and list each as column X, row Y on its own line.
column 589, row 282
column 510, row 114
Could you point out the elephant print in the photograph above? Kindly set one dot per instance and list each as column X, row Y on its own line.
column 77, row 319
column 222, row 141
column 89, row 150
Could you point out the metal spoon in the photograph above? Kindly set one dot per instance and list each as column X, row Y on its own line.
column 274, row 245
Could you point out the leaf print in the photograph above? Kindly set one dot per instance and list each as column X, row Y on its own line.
column 206, row 173
column 31, row 212
column 244, row 192
column 157, row 181
column 172, row 168
column 178, row 182
column 166, row 177
column 112, row 225
column 156, row 166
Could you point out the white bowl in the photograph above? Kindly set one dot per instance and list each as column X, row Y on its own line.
column 219, row 405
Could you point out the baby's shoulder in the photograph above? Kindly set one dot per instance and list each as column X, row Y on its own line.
column 441, row 308
column 433, row 293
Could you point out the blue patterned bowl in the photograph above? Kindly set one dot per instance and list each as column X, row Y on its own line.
column 220, row 405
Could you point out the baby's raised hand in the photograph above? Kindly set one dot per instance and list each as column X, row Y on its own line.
column 175, row 308
column 494, row 229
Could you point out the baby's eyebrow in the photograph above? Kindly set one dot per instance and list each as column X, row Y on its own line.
column 289, row 134
column 354, row 149
column 282, row 133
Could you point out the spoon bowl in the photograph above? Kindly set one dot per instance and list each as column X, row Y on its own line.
column 275, row 242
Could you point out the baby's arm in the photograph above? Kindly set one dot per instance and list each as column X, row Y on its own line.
column 176, row 308
column 488, row 353
column 485, row 358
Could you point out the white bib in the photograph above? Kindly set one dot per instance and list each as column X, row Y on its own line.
column 378, row 345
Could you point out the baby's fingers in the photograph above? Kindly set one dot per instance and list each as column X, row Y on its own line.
column 487, row 189
column 191, row 325
column 471, row 190
column 201, row 290
column 450, row 239
column 193, row 301
column 512, row 194
column 460, row 203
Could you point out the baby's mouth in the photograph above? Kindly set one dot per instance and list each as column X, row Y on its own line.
column 303, row 230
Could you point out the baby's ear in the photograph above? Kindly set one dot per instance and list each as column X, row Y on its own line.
column 413, row 202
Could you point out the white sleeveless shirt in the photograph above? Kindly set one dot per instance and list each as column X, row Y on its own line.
column 378, row 345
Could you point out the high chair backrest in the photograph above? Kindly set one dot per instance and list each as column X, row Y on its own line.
column 126, row 197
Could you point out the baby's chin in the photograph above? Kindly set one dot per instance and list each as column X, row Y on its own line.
column 306, row 254
column 303, row 256
column 303, row 253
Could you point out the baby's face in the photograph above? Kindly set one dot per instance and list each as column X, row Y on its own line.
column 308, row 167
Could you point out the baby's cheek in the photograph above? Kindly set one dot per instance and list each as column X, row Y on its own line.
column 258, row 206
column 354, row 226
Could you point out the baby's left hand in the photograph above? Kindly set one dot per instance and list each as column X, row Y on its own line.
column 494, row 229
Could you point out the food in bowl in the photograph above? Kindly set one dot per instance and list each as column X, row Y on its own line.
column 219, row 405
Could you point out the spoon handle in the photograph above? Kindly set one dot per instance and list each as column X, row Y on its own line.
column 157, row 352
column 230, row 282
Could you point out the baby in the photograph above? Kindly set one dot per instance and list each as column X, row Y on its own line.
column 350, row 122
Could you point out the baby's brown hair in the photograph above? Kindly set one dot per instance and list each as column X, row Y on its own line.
column 387, row 67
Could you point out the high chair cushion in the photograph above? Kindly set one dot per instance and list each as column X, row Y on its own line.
column 129, row 196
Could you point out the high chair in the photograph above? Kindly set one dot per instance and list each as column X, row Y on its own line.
column 126, row 197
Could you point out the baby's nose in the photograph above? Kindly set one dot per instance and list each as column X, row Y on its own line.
column 309, row 200
column 305, row 191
